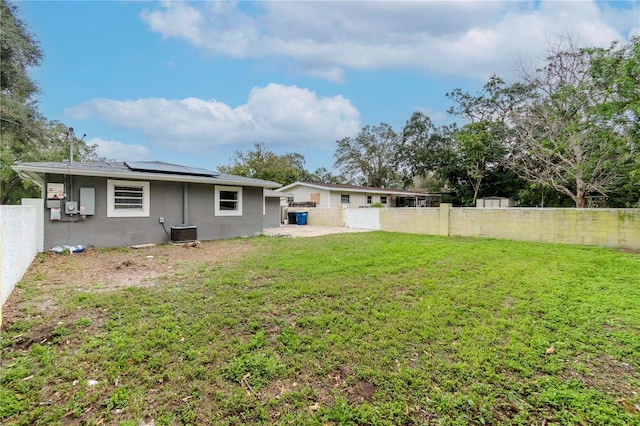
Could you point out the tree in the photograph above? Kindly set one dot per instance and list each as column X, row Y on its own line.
column 20, row 121
column 52, row 144
column 614, row 71
column 568, row 135
column 322, row 175
column 18, row 52
column 480, row 150
column 426, row 155
column 370, row 157
column 496, row 101
column 24, row 133
column 481, row 145
column 260, row 163
column 459, row 159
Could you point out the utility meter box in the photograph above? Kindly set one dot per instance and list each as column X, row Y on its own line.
column 71, row 207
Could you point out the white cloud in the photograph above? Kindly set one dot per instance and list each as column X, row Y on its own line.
column 462, row 38
column 114, row 150
column 275, row 114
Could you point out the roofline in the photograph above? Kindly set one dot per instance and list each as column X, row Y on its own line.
column 354, row 189
column 311, row 185
column 26, row 171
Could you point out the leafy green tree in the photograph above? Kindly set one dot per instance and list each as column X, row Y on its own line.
column 20, row 121
column 614, row 72
column 24, row 133
column 482, row 145
column 460, row 160
column 480, row 151
column 370, row 158
column 261, row 163
column 322, row 175
column 424, row 152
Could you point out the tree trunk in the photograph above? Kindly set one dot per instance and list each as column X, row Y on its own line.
column 580, row 199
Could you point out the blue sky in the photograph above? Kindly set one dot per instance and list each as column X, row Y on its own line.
column 192, row 82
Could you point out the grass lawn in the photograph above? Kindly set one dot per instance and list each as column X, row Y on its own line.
column 352, row 329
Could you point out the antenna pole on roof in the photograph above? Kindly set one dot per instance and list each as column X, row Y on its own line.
column 69, row 138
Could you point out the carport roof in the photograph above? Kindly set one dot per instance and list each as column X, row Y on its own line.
column 354, row 188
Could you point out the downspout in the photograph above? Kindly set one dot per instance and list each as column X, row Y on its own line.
column 185, row 203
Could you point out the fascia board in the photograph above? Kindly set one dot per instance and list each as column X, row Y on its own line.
column 304, row 184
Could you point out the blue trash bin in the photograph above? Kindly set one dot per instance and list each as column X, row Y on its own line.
column 301, row 218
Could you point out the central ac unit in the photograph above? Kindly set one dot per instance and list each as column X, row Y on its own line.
column 184, row 233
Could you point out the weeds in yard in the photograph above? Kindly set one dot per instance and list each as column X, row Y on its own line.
column 353, row 329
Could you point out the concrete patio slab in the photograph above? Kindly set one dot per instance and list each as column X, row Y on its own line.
column 308, row 231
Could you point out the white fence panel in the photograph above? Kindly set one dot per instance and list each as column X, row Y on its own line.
column 21, row 239
column 362, row 218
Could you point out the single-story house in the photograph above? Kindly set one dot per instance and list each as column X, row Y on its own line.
column 328, row 195
column 114, row 204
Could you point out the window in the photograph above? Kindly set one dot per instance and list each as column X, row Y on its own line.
column 368, row 199
column 228, row 201
column 290, row 200
column 383, row 200
column 344, row 198
column 127, row 198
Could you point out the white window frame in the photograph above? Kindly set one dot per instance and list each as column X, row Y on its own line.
column 111, row 202
column 342, row 198
column 369, row 199
column 238, row 210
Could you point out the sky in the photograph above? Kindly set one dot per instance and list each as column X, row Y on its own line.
column 191, row 83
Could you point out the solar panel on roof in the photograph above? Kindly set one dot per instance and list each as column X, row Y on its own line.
column 158, row 167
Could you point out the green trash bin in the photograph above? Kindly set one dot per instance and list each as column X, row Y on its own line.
column 301, row 218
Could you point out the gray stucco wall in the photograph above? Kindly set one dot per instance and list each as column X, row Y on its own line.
column 272, row 212
column 211, row 227
column 166, row 201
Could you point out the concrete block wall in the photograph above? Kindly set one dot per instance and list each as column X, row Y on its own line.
column 601, row 227
column 410, row 220
column 322, row 217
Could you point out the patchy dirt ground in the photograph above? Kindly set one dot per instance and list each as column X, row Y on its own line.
column 103, row 270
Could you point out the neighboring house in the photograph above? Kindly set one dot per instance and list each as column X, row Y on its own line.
column 327, row 195
column 113, row 204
